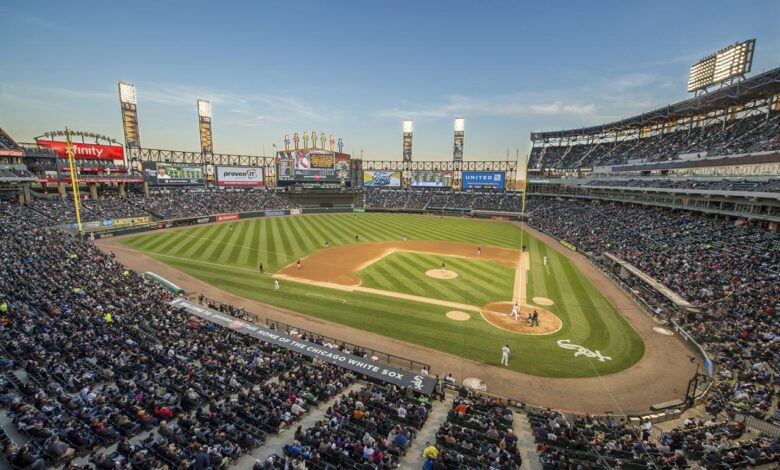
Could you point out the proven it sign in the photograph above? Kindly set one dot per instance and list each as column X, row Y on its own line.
column 239, row 176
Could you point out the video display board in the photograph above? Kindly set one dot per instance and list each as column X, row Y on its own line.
column 163, row 174
column 239, row 176
column 483, row 180
column 431, row 179
column 381, row 179
column 312, row 165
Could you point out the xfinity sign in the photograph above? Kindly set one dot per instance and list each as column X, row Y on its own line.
column 483, row 180
column 239, row 176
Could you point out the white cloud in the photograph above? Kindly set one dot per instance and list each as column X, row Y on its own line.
column 502, row 106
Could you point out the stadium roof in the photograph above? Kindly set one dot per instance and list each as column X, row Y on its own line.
column 760, row 86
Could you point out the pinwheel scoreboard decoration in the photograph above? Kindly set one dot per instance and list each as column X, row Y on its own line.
column 340, row 145
column 286, row 142
column 296, row 139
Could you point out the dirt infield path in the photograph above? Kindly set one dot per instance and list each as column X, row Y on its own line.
column 661, row 375
column 521, row 278
column 339, row 264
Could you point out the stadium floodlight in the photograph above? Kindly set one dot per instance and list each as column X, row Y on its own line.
column 460, row 128
column 728, row 63
column 127, row 93
column 407, row 147
column 204, row 127
column 204, row 108
column 127, row 104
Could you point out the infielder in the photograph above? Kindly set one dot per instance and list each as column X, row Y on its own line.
column 276, row 285
column 443, row 267
column 299, row 263
column 479, row 251
column 505, row 355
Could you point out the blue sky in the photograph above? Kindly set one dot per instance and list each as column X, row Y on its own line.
column 355, row 69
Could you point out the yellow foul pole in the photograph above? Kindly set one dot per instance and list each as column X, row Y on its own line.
column 74, row 183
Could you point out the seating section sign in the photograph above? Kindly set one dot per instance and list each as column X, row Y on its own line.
column 376, row 370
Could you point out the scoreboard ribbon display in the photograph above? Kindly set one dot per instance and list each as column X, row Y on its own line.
column 376, row 370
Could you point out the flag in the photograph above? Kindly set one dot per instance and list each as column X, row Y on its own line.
column 274, row 145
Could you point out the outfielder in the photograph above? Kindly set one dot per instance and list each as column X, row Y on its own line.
column 276, row 285
column 505, row 355
column 545, row 261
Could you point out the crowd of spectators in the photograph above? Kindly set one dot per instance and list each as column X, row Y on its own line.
column 766, row 185
column 371, row 428
column 730, row 272
column 433, row 200
column 478, row 433
column 755, row 133
column 164, row 205
column 608, row 442
column 92, row 355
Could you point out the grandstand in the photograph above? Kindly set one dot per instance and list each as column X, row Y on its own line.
column 155, row 309
column 738, row 120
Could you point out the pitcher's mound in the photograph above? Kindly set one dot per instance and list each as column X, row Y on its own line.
column 437, row 274
column 458, row 316
column 497, row 314
column 542, row 301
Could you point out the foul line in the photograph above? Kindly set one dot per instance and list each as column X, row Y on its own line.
column 310, row 294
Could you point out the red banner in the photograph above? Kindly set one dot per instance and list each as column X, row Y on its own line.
column 226, row 217
column 104, row 152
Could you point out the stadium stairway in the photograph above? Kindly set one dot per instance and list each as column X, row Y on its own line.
column 437, row 417
column 526, row 441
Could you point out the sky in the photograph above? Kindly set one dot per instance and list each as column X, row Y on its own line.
column 356, row 69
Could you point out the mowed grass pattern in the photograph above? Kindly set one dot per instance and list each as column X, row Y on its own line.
column 478, row 282
column 227, row 255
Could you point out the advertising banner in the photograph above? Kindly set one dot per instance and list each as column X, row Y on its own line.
column 174, row 174
column 105, row 152
column 227, row 217
column 376, row 370
column 432, row 179
column 295, row 212
column 383, row 179
column 483, row 179
column 239, row 176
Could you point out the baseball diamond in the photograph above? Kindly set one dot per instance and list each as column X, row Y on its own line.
column 357, row 271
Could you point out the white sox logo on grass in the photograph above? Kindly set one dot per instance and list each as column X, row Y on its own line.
column 582, row 350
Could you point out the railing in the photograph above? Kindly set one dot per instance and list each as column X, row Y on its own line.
column 759, row 425
column 381, row 356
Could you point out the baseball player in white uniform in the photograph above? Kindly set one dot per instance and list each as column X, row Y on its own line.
column 276, row 285
column 545, row 261
column 505, row 355
column 515, row 311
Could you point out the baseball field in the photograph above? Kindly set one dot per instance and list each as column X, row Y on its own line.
column 447, row 284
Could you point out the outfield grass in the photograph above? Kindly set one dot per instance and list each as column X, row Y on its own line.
column 229, row 258
column 478, row 282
